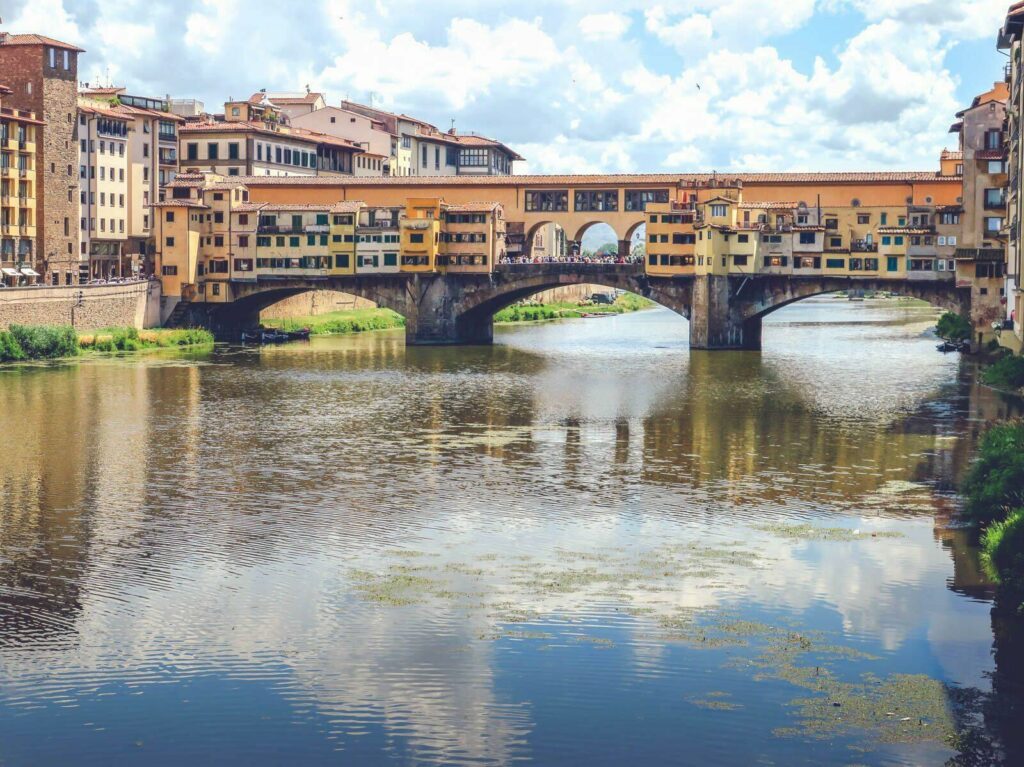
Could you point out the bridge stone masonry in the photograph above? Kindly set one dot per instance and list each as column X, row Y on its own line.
column 724, row 312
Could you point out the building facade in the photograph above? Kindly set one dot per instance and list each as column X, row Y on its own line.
column 421, row 149
column 42, row 75
column 104, row 196
column 19, row 131
column 981, row 256
column 254, row 138
column 1010, row 40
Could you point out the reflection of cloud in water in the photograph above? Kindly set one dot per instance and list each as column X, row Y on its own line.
column 809, row 348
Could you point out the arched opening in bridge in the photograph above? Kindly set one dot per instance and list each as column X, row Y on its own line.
column 637, row 238
column 831, row 316
column 546, row 241
column 598, row 241
column 315, row 303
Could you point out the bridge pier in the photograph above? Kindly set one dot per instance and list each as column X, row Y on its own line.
column 436, row 317
column 715, row 322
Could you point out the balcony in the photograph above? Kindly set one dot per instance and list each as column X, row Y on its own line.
column 279, row 229
column 863, row 246
column 316, row 229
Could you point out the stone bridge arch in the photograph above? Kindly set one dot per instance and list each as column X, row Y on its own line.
column 226, row 320
column 729, row 311
column 515, row 282
column 765, row 295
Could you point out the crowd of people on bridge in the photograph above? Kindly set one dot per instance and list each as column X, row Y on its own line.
column 573, row 259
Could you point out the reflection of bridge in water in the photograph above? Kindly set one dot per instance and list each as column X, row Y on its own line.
column 725, row 312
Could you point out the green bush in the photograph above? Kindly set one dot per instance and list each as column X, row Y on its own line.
column 9, row 348
column 954, row 327
column 40, row 342
column 995, row 482
column 1007, row 373
column 1003, row 550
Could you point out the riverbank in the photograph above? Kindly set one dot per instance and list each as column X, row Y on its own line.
column 528, row 312
column 42, row 342
column 343, row 322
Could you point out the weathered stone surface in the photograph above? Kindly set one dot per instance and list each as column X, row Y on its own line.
column 88, row 307
column 725, row 312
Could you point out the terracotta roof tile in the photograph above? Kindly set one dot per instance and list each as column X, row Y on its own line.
column 651, row 179
column 474, row 207
column 179, row 204
column 110, row 112
column 305, row 98
column 31, row 39
column 770, row 205
column 903, row 230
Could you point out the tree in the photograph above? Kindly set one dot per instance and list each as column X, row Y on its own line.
column 954, row 327
column 994, row 486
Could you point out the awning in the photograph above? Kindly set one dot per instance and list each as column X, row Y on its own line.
column 980, row 254
column 10, row 272
column 30, row 272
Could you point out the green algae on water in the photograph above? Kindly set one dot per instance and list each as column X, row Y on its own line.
column 806, row 532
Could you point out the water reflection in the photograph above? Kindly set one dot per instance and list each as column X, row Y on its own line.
column 182, row 541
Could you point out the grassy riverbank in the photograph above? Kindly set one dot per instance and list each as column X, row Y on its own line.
column 39, row 342
column 1006, row 373
column 994, row 490
column 527, row 312
column 335, row 323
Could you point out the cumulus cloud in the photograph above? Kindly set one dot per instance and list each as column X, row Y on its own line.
column 606, row 85
column 604, row 26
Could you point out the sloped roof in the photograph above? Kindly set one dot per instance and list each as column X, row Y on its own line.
column 474, row 207
column 647, row 179
column 32, row 39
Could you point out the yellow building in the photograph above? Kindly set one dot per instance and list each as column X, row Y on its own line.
column 18, row 129
column 344, row 219
column 670, row 239
column 473, row 238
column 195, row 238
column 209, row 235
column 420, row 234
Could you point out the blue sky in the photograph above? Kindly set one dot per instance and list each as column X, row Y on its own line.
column 582, row 85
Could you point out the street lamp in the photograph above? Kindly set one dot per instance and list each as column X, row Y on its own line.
column 79, row 303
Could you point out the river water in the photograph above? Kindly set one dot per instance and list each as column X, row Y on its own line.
column 584, row 545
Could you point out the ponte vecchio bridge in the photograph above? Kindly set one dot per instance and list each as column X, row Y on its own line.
column 724, row 309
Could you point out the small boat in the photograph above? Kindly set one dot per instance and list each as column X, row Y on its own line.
column 273, row 337
column 946, row 347
column 252, row 336
column 302, row 334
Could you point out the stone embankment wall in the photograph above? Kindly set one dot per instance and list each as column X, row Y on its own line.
column 314, row 303
column 88, row 307
column 569, row 294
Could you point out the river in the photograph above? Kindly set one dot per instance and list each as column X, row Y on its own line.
column 584, row 545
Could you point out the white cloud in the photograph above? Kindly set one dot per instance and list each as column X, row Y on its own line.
column 738, row 24
column 964, row 18
column 574, row 86
column 597, row 27
column 209, row 28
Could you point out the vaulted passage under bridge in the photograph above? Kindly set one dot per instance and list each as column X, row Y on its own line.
column 725, row 312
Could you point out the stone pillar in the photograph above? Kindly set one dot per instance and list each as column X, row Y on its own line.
column 437, row 321
column 624, row 248
column 714, row 323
